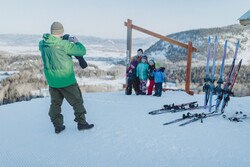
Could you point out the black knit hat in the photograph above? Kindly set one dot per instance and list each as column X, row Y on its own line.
column 140, row 50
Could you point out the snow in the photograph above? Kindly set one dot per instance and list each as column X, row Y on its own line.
column 125, row 135
column 95, row 81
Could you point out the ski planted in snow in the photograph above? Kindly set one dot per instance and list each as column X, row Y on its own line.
column 226, row 88
column 218, row 89
column 211, row 85
column 207, row 77
column 233, row 64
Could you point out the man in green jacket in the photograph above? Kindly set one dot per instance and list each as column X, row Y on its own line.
column 59, row 72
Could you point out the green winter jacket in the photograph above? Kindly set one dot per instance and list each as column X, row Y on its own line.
column 58, row 65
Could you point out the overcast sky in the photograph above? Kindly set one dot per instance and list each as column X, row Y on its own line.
column 105, row 18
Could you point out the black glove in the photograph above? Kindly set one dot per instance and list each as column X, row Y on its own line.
column 66, row 37
column 70, row 38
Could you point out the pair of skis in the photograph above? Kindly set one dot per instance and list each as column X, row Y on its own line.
column 236, row 117
column 175, row 108
column 193, row 118
column 229, row 84
column 230, row 81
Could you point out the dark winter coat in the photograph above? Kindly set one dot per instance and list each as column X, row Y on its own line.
column 131, row 73
column 150, row 72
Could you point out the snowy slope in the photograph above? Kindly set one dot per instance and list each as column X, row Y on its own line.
column 124, row 135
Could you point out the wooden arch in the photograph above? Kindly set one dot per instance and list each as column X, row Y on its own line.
column 189, row 47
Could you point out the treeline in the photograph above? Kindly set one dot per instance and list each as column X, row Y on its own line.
column 241, row 87
column 30, row 78
column 19, row 86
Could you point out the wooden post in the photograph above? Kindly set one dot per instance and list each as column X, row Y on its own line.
column 129, row 48
column 129, row 40
column 188, row 71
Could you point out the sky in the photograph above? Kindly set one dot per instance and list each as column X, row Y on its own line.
column 105, row 18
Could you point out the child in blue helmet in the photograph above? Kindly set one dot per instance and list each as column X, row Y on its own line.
column 159, row 77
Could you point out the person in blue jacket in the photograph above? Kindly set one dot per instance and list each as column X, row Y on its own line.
column 159, row 77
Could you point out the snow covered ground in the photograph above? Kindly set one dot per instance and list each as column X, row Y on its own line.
column 125, row 135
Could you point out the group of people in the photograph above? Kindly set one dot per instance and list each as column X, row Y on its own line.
column 140, row 71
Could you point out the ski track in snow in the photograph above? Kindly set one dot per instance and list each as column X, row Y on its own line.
column 125, row 135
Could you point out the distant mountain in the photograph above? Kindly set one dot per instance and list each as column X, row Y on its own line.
column 19, row 40
column 232, row 33
column 23, row 43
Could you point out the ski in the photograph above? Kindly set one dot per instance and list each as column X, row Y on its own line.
column 220, row 81
column 188, row 115
column 200, row 117
column 207, row 78
column 162, row 111
column 228, row 89
column 235, row 75
column 178, row 110
column 233, row 64
column 172, row 107
column 211, row 85
column 236, row 117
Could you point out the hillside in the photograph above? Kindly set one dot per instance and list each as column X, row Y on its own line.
column 199, row 38
column 125, row 135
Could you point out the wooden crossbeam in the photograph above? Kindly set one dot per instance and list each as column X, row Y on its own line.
column 132, row 26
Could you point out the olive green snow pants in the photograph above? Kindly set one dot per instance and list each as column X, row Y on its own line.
column 73, row 95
